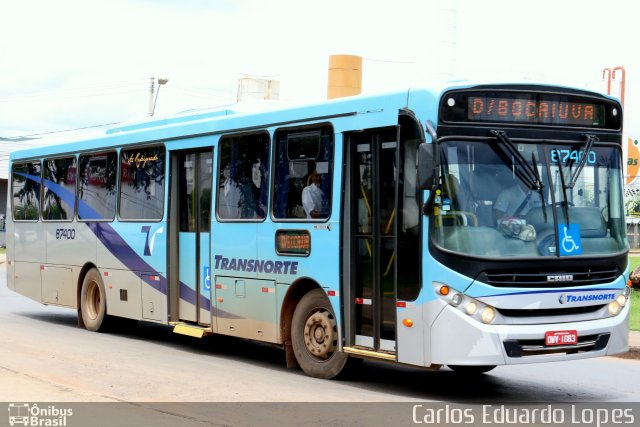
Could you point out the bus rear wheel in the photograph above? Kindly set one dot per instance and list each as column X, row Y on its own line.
column 314, row 337
column 93, row 301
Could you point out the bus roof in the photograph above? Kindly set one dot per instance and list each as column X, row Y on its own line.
column 231, row 118
column 256, row 115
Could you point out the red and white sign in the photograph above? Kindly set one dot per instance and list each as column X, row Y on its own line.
column 561, row 338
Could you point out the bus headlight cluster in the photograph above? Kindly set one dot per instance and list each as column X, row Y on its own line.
column 474, row 308
column 615, row 307
column 469, row 306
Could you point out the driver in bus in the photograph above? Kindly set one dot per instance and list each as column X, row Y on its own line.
column 313, row 197
column 514, row 201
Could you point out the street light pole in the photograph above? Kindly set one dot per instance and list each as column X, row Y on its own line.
column 153, row 99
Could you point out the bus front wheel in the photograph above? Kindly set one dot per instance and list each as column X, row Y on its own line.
column 93, row 301
column 471, row 369
column 314, row 337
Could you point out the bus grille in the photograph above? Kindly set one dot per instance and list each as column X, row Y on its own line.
column 564, row 311
column 528, row 278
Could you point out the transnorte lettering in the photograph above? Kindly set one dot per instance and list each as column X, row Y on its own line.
column 256, row 265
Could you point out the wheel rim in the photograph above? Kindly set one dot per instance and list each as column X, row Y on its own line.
column 320, row 334
column 93, row 300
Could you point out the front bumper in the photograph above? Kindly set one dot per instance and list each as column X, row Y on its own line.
column 457, row 339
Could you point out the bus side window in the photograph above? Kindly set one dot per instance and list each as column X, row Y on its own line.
column 243, row 177
column 142, row 183
column 26, row 191
column 97, row 186
column 59, row 182
column 303, row 174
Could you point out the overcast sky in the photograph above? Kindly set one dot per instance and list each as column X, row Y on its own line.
column 68, row 64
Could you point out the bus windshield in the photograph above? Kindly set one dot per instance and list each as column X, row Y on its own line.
column 529, row 199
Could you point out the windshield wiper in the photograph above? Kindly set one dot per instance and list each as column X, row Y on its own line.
column 542, row 201
column 565, row 201
column 590, row 140
column 524, row 171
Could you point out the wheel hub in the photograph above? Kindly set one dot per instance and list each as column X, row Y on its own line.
column 320, row 334
column 93, row 300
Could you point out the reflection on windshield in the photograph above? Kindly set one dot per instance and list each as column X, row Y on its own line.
column 485, row 204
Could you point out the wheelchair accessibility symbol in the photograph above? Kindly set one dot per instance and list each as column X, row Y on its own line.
column 569, row 235
column 207, row 278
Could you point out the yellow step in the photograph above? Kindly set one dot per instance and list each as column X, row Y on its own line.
column 191, row 330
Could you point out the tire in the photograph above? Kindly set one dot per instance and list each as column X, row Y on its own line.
column 470, row 369
column 314, row 337
column 93, row 302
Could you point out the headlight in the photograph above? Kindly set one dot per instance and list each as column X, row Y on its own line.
column 456, row 300
column 488, row 314
column 471, row 308
column 622, row 300
column 614, row 308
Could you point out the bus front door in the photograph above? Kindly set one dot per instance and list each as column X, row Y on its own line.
column 373, row 180
column 190, row 291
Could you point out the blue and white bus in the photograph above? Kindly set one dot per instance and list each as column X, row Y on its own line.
column 470, row 226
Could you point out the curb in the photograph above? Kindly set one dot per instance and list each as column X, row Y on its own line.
column 634, row 340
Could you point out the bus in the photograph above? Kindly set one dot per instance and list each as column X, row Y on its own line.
column 470, row 226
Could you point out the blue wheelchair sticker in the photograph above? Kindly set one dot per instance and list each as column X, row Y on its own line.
column 207, row 278
column 569, row 236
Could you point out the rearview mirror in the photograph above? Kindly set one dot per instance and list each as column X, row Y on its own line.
column 426, row 166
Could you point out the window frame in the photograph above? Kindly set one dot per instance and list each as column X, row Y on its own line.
column 302, row 129
column 119, row 183
column 13, row 217
column 75, row 188
column 269, row 162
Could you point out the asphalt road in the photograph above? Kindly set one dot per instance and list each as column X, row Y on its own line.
column 44, row 356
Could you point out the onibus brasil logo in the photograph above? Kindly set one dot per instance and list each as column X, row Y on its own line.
column 27, row 414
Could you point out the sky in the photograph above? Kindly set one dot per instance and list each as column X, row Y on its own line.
column 69, row 64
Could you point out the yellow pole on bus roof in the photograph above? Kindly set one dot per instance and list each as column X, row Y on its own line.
column 345, row 76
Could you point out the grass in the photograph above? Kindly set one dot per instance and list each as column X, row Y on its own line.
column 3, row 250
column 634, row 315
column 635, row 262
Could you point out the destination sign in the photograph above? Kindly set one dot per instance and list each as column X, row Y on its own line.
column 524, row 110
column 293, row 242
column 520, row 107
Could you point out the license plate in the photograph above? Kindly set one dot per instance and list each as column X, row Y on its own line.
column 561, row 338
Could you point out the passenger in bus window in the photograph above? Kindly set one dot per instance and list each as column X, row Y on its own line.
column 313, row 197
column 230, row 196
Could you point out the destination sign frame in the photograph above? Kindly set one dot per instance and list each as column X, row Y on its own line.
column 530, row 108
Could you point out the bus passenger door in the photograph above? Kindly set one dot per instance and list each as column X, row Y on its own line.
column 190, row 213
column 373, row 178
column 381, row 241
